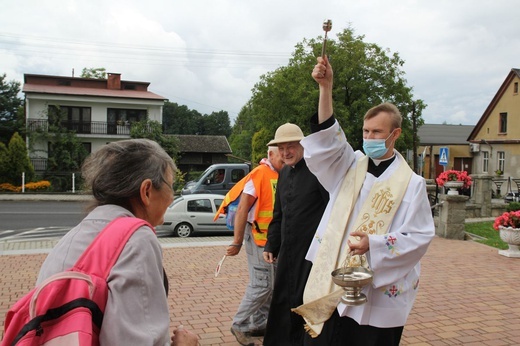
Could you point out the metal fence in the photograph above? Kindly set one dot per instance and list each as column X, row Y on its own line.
column 66, row 182
column 508, row 189
column 90, row 127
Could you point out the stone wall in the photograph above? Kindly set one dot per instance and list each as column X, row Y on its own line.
column 453, row 210
column 452, row 217
column 474, row 211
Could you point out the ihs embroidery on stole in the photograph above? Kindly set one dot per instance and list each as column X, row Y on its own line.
column 381, row 204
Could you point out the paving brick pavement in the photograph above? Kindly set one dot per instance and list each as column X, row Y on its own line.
column 468, row 293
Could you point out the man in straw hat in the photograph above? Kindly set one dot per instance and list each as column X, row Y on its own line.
column 299, row 204
column 378, row 217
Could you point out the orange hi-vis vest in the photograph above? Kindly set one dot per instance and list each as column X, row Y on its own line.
column 264, row 179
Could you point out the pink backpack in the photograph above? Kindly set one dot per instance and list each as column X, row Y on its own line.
column 67, row 308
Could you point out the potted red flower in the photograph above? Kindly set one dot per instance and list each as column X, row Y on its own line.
column 454, row 180
column 508, row 224
column 508, row 219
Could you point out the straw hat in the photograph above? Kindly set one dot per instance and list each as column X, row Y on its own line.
column 287, row 133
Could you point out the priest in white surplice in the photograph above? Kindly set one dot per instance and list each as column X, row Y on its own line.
column 378, row 213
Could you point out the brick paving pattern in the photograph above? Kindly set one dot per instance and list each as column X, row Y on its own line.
column 468, row 295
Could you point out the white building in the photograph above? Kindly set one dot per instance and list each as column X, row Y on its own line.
column 97, row 110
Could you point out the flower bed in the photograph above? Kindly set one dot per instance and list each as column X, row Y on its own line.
column 42, row 185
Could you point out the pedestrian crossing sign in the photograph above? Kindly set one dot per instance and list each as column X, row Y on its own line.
column 443, row 156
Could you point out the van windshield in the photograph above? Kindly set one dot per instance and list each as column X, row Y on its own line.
column 203, row 174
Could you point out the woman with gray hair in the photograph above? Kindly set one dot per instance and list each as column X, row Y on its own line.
column 129, row 178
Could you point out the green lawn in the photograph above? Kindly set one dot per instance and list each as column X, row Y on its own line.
column 486, row 231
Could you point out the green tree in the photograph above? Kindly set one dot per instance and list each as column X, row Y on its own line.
column 65, row 152
column 260, row 138
column 18, row 162
column 217, row 123
column 180, row 120
column 364, row 76
column 11, row 109
column 152, row 129
column 94, row 72
column 3, row 163
column 242, row 133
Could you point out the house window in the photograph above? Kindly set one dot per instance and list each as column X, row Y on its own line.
column 77, row 119
column 501, row 160
column 485, row 161
column 87, row 146
column 125, row 116
column 515, row 88
column 503, row 123
column 120, row 117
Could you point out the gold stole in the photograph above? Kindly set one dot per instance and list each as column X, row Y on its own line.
column 319, row 298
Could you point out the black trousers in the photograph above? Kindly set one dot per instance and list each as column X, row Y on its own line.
column 344, row 331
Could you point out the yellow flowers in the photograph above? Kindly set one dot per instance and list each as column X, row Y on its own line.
column 41, row 185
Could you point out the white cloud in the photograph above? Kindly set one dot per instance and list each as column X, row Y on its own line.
column 209, row 54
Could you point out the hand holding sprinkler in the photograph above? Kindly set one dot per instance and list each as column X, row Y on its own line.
column 327, row 26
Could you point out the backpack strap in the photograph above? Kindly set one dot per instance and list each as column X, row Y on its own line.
column 103, row 252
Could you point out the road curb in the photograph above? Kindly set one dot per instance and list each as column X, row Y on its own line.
column 44, row 197
column 38, row 246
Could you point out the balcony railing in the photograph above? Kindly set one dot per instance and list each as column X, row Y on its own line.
column 93, row 127
column 39, row 164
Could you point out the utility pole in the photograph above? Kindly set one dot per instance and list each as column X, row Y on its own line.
column 414, row 138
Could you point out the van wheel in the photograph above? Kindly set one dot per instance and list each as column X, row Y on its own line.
column 183, row 230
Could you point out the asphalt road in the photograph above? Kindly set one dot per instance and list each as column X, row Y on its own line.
column 27, row 214
column 49, row 219
column 17, row 217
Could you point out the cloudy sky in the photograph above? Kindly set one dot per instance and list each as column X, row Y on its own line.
column 208, row 54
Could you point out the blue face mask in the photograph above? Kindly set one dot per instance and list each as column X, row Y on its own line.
column 375, row 148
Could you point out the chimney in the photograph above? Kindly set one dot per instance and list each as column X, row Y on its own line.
column 114, row 81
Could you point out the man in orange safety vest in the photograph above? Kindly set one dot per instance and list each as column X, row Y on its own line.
column 255, row 210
